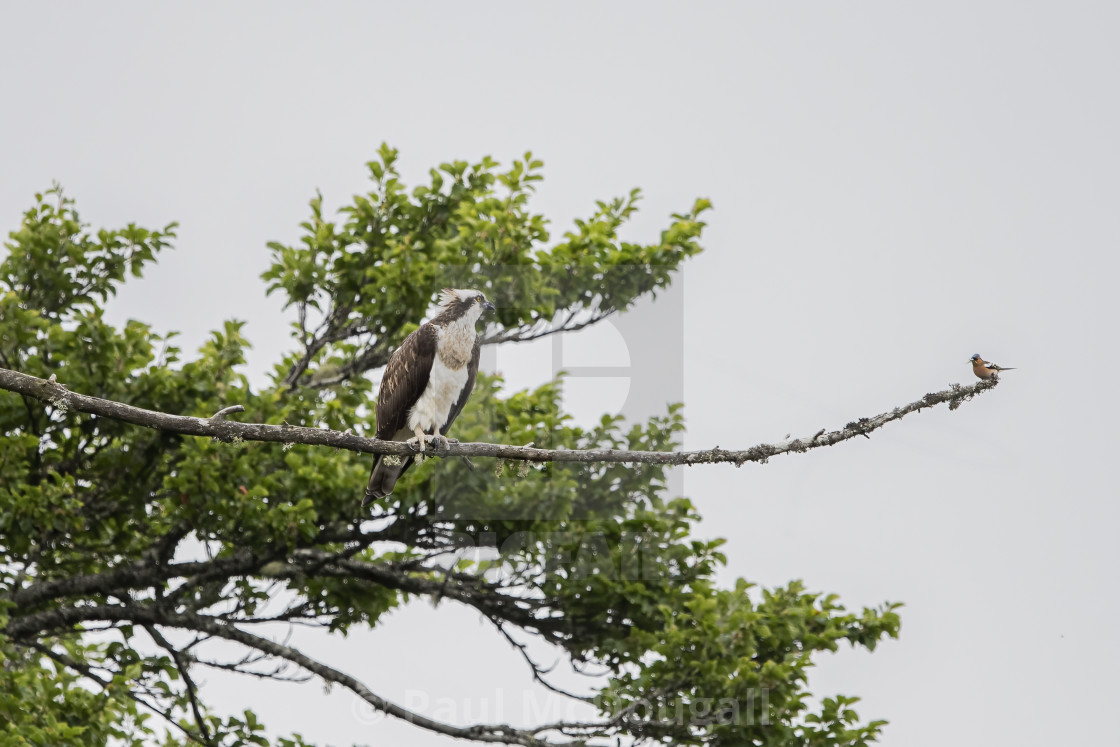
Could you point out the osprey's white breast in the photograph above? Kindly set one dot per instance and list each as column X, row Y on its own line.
column 450, row 370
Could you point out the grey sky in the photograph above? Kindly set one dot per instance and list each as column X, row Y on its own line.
column 897, row 186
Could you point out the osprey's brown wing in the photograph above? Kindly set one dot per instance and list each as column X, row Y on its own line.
column 472, row 372
column 405, row 378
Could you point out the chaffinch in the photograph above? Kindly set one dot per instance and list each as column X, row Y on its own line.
column 985, row 370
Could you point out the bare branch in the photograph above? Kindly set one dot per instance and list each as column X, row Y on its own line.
column 132, row 575
column 535, row 331
column 144, row 615
column 57, row 395
column 372, row 357
column 221, row 414
column 276, row 674
column 88, row 672
column 536, row 669
column 332, row 329
column 472, row 591
column 182, row 663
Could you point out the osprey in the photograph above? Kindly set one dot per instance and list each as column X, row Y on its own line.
column 427, row 382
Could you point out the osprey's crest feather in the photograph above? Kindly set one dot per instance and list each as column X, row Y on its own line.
column 450, row 296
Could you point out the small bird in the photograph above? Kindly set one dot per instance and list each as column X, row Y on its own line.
column 426, row 383
column 985, row 370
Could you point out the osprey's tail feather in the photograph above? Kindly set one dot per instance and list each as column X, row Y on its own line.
column 383, row 477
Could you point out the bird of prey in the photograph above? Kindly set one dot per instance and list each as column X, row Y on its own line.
column 426, row 383
column 985, row 370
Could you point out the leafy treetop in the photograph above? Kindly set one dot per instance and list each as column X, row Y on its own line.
column 167, row 545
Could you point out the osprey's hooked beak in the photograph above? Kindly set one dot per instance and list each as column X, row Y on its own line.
column 487, row 306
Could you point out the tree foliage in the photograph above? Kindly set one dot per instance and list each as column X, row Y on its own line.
column 125, row 553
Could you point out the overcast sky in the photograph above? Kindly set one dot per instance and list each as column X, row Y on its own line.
column 896, row 186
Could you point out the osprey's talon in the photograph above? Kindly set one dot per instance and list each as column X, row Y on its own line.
column 442, row 442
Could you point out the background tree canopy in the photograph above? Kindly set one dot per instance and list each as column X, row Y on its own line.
column 133, row 558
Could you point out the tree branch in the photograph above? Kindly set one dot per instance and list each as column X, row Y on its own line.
column 152, row 571
column 182, row 663
column 537, row 330
column 374, row 356
column 134, row 575
column 61, row 398
column 88, row 672
column 472, row 591
column 146, row 615
column 536, row 669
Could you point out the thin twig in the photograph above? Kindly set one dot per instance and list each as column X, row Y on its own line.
column 182, row 663
column 87, row 671
column 535, row 669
